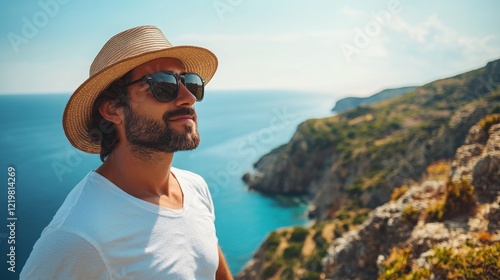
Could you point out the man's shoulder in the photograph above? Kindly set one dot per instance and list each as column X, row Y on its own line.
column 86, row 206
column 188, row 175
column 192, row 180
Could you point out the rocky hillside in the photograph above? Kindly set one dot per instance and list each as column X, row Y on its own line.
column 357, row 158
column 445, row 229
column 447, row 226
column 347, row 103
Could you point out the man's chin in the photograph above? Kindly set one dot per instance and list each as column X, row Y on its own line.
column 188, row 141
column 183, row 127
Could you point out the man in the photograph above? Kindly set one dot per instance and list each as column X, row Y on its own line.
column 136, row 216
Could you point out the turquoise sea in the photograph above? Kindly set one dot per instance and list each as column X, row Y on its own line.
column 236, row 128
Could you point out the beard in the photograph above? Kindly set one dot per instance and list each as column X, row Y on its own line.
column 147, row 136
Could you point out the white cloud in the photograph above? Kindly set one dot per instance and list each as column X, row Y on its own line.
column 432, row 34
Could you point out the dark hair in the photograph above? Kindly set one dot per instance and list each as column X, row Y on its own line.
column 100, row 130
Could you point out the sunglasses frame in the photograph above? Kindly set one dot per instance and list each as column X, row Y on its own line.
column 181, row 77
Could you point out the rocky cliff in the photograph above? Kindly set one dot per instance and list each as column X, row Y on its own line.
column 432, row 180
column 445, row 227
column 359, row 157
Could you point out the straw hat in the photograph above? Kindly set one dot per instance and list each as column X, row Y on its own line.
column 119, row 55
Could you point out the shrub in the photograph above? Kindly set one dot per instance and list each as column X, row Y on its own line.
column 396, row 265
column 272, row 241
column 271, row 268
column 398, row 192
column 410, row 214
column 435, row 212
column 460, row 197
column 345, row 226
column 438, row 169
column 299, row 234
column 288, row 273
column 359, row 218
column 319, row 226
column 320, row 240
column 358, row 111
column 311, row 275
column 271, row 244
column 314, row 263
column 342, row 215
column 293, row 251
column 487, row 122
column 466, row 263
column 420, row 273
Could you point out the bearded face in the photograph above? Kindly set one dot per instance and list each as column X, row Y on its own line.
column 147, row 135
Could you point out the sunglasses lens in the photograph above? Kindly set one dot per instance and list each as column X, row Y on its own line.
column 163, row 86
column 194, row 84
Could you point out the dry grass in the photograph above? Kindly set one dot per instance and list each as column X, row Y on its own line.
column 438, row 170
column 399, row 192
column 361, row 119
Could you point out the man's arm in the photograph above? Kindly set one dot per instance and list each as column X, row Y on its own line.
column 223, row 272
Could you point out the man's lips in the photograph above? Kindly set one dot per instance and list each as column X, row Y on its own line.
column 182, row 118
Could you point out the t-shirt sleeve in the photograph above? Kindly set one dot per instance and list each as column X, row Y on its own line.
column 64, row 255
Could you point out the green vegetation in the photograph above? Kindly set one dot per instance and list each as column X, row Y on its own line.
column 358, row 111
column 296, row 242
column 290, row 262
column 299, row 234
column 271, row 268
column 435, row 212
column 460, row 198
column 321, row 242
column 438, row 170
column 273, row 240
column 467, row 262
column 311, row 275
column 292, row 251
column 410, row 214
column 288, row 273
column 271, row 244
column 359, row 217
column 486, row 123
column 396, row 265
column 399, row 192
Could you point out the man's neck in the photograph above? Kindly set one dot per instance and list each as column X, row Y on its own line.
column 145, row 179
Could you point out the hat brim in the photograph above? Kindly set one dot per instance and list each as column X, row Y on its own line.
column 78, row 111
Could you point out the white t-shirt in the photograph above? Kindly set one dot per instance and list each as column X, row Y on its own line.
column 101, row 232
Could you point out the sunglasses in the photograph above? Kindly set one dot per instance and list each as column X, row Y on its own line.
column 165, row 85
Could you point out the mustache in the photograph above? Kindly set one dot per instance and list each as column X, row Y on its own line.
column 180, row 112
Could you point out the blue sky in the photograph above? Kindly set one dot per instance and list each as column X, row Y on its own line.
column 338, row 48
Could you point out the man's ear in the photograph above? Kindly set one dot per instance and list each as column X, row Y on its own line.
column 112, row 111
